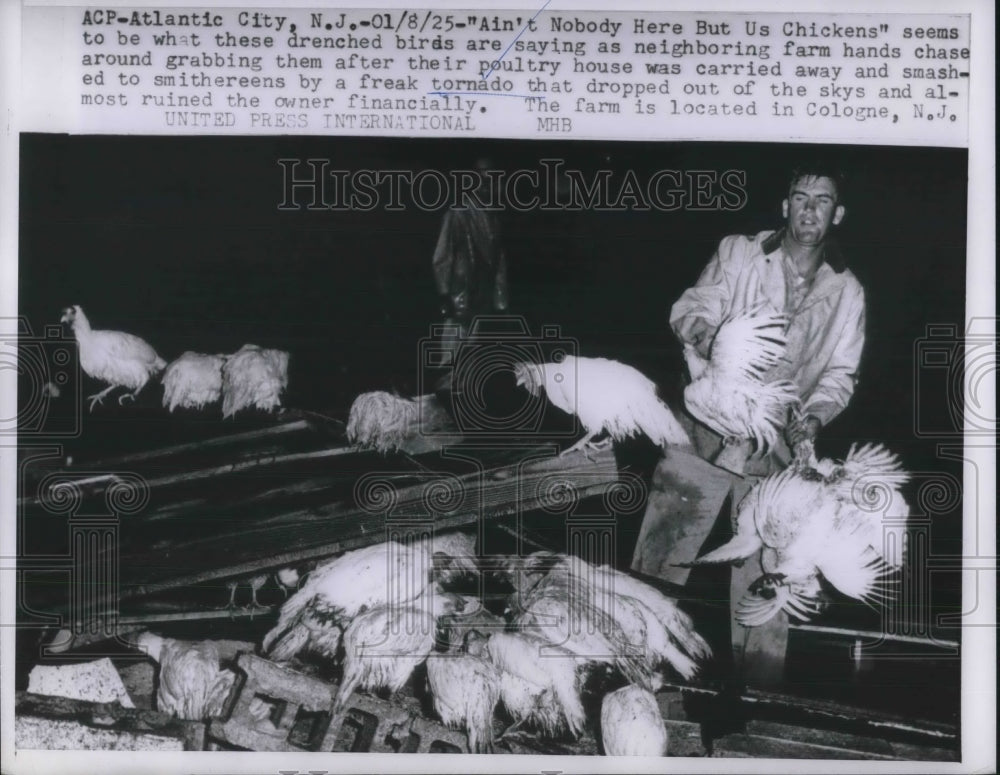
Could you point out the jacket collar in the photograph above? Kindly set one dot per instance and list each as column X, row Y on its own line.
column 832, row 254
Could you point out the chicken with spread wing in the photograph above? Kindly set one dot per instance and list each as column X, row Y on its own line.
column 729, row 392
column 845, row 523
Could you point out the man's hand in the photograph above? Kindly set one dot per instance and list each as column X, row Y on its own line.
column 699, row 335
column 805, row 429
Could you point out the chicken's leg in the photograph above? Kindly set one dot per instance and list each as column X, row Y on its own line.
column 232, row 597
column 98, row 398
column 255, row 584
column 580, row 446
column 510, row 730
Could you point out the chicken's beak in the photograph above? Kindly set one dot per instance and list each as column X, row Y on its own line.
column 65, row 316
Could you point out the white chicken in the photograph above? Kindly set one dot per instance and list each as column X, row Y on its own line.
column 381, row 420
column 335, row 592
column 192, row 683
column 670, row 633
column 120, row 359
column 193, row 381
column 561, row 611
column 642, row 627
column 728, row 392
column 539, row 683
column 631, row 724
column 814, row 521
column 253, row 377
column 288, row 579
column 606, row 396
column 383, row 645
column 465, row 688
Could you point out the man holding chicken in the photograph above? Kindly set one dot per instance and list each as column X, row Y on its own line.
column 798, row 271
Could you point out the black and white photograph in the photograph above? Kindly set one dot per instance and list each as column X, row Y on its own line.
column 538, row 451
column 630, row 446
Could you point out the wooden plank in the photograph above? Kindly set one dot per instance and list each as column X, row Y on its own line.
column 234, row 439
column 315, row 533
column 760, row 747
column 872, row 635
column 825, row 714
column 111, row 717
column 276, row 538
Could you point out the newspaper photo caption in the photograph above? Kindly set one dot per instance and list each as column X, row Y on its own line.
column 636, row 74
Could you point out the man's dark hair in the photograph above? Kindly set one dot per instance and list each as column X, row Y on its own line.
column 819, row 168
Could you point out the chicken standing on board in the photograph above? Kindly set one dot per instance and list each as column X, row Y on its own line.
column 253, row 377
column 631, row 724
column 383, row 645
column 465, row 688
column 845, row 523
column 192, row 683
column 606, row 396
column 728, row 392
column 120, row 359
column 193, row 381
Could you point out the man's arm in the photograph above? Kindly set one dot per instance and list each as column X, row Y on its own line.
column 700, row 310
column 836, row 386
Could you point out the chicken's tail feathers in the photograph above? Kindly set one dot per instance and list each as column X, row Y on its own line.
column 344, row 692
column 874, row 462
column 291, row 615
column 751, row 342
column 657, row 421
column 863, row 575
column 530, row 376
column 755, row 610
column 771, row 404
column 685, row 666
column 572, row 707
column 680, row 628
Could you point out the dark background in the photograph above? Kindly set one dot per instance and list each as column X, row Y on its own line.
column 180, row 240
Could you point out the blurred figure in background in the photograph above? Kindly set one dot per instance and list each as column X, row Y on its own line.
column 470, row 267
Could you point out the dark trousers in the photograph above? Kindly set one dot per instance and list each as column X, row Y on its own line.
column 687, row 497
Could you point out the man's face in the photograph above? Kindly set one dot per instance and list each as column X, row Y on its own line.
column 811, row 208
